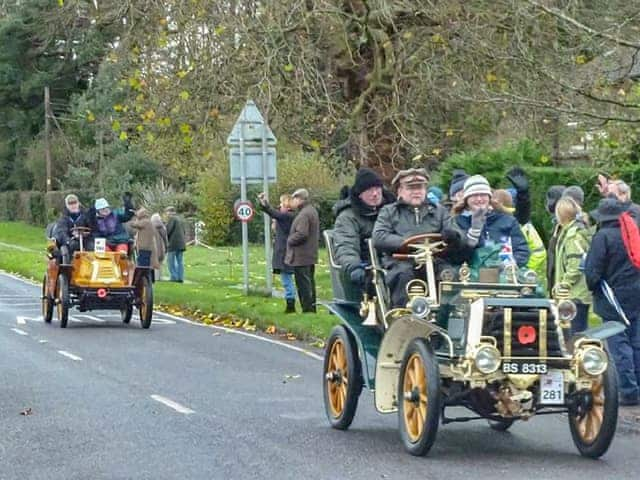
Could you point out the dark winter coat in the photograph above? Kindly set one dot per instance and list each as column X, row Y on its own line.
column 175, row 234
column 399, row 221
column 62, row 230
column 608, row 260
column 353, row 227
column 304, row 238
column 283, row 222
column 498, row 228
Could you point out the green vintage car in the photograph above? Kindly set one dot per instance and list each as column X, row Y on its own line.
column 485, row 338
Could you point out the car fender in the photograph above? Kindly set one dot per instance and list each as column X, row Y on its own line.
column 392, row 349
column 367, row 338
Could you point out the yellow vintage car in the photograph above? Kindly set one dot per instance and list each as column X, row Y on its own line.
column 95, row 280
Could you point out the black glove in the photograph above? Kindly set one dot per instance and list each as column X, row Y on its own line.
column 518, row 178
column 451, row 237
column 358, row 276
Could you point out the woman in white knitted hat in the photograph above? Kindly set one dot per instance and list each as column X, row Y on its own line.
column 482, row 222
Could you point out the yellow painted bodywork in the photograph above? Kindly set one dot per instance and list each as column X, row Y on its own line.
column 95, row 270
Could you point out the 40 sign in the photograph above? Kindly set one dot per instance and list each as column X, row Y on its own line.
column 243, row 211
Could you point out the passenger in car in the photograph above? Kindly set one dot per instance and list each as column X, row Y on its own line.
column 481, row 222
column 107, row 223
column 356, row 216
column 410, row 215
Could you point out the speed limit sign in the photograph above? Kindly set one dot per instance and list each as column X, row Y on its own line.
column 243, row 211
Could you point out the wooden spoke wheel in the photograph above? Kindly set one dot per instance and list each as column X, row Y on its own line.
column 62, row 300
column 145, row 307
column 593, row 421
column 126, row 312
column 47, row 301
column 342, row 378
column 419, row 397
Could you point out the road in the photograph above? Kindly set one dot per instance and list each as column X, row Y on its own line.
column 101, row 400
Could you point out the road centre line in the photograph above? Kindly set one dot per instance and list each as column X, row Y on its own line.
column 73, row 357
column 171, row 404
column 191, row 322
column 20, row 332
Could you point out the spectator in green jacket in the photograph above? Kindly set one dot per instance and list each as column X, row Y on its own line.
column 570, row 250
column 176, row 246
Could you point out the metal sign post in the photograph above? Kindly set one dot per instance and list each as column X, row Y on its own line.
column 267, row 218
column 252, row 159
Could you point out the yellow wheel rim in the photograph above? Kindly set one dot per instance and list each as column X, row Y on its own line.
column 590, row 424
column 337, row 378
column 415, row 398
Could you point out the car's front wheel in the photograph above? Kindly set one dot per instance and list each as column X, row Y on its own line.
column 342, row 381
column 47, row 301
column 593, row 421
column 62, row 300
column 419, row 397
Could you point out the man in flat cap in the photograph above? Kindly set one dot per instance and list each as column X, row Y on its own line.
column 302, row 248
column 411, row 214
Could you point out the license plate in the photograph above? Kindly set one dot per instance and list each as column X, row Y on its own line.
column 552, row 388
column 524, row 368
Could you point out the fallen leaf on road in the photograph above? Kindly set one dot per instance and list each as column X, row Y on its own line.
column 26, row 411
column 271, row 329
column 291, row 337
column 317, row 344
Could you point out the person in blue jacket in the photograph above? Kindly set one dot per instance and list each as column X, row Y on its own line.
column 481, row 222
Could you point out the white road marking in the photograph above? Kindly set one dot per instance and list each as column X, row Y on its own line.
column 73, row 357
column 21, row 320
column 91, row 317
column 250, row 335
column 19, row 332
column 174, row 405
column 8, row 305
column 184, row 320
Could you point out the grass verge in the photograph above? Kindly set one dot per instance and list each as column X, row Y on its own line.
column 212, row 292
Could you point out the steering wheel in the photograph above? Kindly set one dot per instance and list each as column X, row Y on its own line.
column 434, row 241
column 81, row 231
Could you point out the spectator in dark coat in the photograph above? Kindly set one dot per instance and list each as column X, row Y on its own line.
column 608, row 260
column 302, row 248
column 283, row 218
column 176, row 246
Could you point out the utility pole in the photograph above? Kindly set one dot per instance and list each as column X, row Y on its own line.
column 47, row 144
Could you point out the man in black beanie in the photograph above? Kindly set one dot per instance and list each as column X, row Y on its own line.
column 356, row 216
column 457, row 183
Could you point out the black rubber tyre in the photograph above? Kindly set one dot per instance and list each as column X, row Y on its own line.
column 126, row 313
column 501, row 425
column 145, row 309
column 62, row 299
column 341, row 378
column 591, row 436
column 419, row 398
column 47, row 302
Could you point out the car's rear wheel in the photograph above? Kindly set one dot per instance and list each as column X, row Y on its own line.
column 501, row 425
column 342, row 378
column 62, row 300
column 419, row 398
column 126, row 312
column 146, row 301
column 47, row 301
column 593, row 422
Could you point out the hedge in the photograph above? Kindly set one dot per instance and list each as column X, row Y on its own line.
column 34, row 207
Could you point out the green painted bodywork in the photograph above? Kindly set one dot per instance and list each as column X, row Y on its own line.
column 367, row 338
